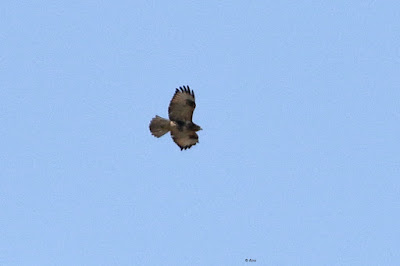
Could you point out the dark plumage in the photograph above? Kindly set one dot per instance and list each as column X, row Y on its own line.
column 180, row 112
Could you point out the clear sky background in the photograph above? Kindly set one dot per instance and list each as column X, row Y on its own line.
column 298, row 161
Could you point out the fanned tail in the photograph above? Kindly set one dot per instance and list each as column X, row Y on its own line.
column 159, row 126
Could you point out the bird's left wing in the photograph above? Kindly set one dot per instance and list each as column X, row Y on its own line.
column 184, row 139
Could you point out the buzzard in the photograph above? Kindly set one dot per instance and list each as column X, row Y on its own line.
column 180, row 111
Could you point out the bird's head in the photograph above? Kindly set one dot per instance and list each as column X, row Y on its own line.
column 196, row 128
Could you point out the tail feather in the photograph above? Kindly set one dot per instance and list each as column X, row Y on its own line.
column 159, row 126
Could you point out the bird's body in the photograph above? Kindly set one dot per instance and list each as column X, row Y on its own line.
column 180, row 124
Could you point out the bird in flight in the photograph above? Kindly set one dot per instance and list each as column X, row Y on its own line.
column 180, row 124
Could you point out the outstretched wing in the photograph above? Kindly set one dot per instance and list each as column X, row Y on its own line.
column 184, row 139
column 182, row 105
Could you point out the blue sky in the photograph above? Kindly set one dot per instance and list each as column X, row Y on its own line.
column 298, row 161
